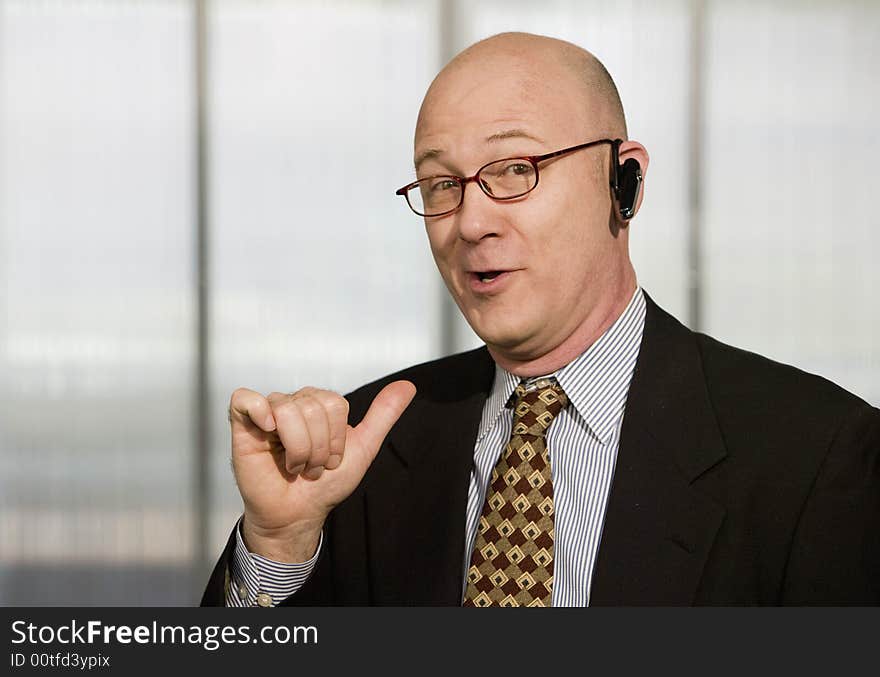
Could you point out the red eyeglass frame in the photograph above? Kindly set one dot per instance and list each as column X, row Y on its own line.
column 532, row 159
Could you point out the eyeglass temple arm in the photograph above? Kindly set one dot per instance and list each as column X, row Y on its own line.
column 615, row 144
column 571, row 149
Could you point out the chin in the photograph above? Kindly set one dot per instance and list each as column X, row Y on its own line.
column 508, row 339
column 500, row 325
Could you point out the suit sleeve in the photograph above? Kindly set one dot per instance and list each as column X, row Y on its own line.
column 218, row 584
column 835, row 555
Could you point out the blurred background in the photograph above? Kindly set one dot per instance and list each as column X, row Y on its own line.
column 197, row 195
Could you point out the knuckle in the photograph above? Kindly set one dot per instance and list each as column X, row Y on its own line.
column 320, row 450
column 282, row 405
column 239, row 397
column 243, row 400
column 309, row 406
column 337, row 405
column 307, row 391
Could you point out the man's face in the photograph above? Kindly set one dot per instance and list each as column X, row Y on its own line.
column 553, row 248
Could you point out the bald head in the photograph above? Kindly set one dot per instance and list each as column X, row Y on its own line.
column 538, row 274
column 540, row 60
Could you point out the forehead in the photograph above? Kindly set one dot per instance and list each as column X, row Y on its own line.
column 467, row 107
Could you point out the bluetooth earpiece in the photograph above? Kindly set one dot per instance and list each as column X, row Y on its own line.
column 628, row 187
column 627, row 183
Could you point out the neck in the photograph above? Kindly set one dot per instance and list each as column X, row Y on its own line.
column 584, row 335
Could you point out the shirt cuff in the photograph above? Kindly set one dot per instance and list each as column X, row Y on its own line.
column 259, row 581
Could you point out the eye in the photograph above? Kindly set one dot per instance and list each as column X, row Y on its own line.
column 506, row 169
column 442, row 184
column 518, row 168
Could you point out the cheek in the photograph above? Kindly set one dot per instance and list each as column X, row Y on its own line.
column 583, row 230
column 438, row 239
column 442, row 249
column 572, row 248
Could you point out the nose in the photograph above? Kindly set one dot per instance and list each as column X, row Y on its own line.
column 479, row 216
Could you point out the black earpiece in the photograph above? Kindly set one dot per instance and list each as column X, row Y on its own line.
column 626, row 183
column 629, row 184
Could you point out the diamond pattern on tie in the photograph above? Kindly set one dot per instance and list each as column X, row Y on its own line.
column 512, row 560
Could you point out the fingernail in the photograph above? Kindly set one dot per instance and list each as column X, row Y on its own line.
column 297, row 469
column 313, row 473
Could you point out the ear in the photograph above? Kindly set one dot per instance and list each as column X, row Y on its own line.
column 636, row 151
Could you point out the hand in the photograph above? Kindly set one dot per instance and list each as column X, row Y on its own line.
column 295, row 458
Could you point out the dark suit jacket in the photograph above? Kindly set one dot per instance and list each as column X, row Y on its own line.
column 739, row 481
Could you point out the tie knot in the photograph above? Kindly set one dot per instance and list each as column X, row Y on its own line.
column 535, row 405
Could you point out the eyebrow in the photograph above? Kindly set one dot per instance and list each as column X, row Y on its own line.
column 512, row 134
column 429, row 153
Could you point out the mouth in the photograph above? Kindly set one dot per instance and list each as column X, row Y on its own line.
column 488, row 275
column 486, row 281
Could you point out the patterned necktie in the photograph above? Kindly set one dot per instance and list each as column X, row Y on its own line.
column 512, row 561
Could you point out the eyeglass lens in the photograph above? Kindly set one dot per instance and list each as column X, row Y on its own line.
column 503, row 179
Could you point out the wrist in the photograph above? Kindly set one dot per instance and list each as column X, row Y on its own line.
column 292, row 544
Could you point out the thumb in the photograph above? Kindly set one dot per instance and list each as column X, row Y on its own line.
column 383, row 413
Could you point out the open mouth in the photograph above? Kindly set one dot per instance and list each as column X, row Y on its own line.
column 488, row 275
column 488, row 280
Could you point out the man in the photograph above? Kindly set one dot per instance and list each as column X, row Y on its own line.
column 595, row 451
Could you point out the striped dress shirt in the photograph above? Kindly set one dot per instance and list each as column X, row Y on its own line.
column 582, row 443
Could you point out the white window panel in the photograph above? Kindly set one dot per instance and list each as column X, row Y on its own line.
column 96, row 346
column 320, row 273
column 791, row 237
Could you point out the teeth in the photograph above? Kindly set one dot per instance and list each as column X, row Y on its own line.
column 488, row 276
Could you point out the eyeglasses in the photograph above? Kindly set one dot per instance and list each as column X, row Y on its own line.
column 505, row 179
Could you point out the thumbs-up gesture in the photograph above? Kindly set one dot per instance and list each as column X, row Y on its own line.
column 295, row 458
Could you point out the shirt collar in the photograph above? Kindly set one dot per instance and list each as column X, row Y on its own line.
column 502, row 388
column 596, row 382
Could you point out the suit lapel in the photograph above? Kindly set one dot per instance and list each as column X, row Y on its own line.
column 658, row 527
column 429, row 456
